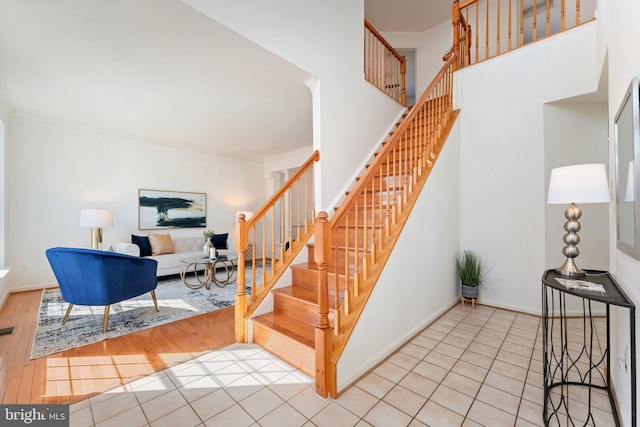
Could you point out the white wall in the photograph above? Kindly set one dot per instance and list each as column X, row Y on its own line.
column 419, row 281
column 620, row 37
column 55, row 171
column 325, row 39
column 502, row 162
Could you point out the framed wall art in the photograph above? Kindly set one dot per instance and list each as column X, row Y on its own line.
column 171, row 209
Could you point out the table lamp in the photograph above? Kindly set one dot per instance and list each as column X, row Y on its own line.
column 96, row 219
column 572, row 185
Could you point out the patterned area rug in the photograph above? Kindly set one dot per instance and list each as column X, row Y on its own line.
column 84, row 325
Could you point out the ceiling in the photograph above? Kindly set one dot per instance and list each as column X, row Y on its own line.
column 159, row 71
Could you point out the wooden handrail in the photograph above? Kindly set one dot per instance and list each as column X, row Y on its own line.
column 277, row 232
column 388, row 147
column 384, row 67
column 352, row 247
column 375, row 32
column 494, row 21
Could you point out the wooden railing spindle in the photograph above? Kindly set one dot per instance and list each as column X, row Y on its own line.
column 385, row 68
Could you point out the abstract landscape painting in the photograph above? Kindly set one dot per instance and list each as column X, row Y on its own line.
column 171, row 209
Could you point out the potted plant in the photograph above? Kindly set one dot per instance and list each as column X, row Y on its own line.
column 471, row 269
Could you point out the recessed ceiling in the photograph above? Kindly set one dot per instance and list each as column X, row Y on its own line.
column 155, row 70
column 407, row 15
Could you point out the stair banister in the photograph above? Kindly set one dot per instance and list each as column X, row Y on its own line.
column 384, row 67
column 325, row 376
column 278, row 261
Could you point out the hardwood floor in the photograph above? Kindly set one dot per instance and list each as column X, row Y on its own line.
column 82, row 372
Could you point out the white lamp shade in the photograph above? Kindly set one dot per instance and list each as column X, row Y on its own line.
column 247, row 215
column 96, row 218
column 629, row 193
column 579, row 184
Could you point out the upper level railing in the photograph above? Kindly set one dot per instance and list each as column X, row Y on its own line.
column 271, row 239
column 484, row 29
column 383, row 65
column 352, row 247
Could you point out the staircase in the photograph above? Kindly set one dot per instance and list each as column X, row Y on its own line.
column 362, row 233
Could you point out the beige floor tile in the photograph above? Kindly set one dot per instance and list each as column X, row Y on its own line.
column 391, row 372
column 488, row 341
column 463, row 333
column 489, row 415
column 451, row 399
column 445, row 329
column 508, row 384
column 116, row 405
column 404, row 400
column 483, row 349
column 425, row 342
column 492, row 333
column 198, row 388
column 261, row 403
column 357, row 401
column 433, row 334
column 308, row 403
column 419, row 384
column 524, row 423
column 533, row 393
column 233, row 416
column 470, row 423
column 433, row 414
column 514, row 359
column 334, row 415
column 517, row 349
column 162, row 405
column 403, row 360
column 81, row 417
column 133, row 417
column 457, row 341
column 469, row 370
column 415, row 351
column 384, row 414
column 283, row 416
column 376, row 385
column 462, row 384
column 288, row 386
column 430, row 371
column 531, row 412
column 243, row 387
column 212, row 404
column 510, row 370
column 477, row 359
column 449, row 350
column 183, row 417
column 498, row 398
column 441, row 360
column 514, row 339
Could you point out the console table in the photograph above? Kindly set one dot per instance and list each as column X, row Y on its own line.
column 566, row 364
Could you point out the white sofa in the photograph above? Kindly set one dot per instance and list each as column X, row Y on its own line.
column 183, row 248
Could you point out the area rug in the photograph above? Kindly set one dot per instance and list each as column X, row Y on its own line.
column 84, row 325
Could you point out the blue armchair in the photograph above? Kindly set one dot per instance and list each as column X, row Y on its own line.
column 92, row 277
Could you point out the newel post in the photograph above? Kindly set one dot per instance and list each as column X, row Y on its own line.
column 324, row 337
column 455, row 16
column 241, row 295
column 403, row 73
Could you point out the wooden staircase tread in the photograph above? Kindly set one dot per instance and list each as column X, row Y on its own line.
column 301, row 332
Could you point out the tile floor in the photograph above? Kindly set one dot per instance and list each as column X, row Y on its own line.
column 471, row 367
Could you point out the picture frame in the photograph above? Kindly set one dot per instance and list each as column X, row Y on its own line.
column 158, row 209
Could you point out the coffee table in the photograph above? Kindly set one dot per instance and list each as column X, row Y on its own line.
column 226, row 264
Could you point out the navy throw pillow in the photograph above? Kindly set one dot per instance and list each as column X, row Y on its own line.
column 220, row 240
column 143, row 243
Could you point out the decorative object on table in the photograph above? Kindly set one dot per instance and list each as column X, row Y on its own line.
column 176, row 302
column 208, row 248
column 171, row 209
column 220, row 270
column 471, row 270
column 571, row 185
column 92, row 277
column 96, row 219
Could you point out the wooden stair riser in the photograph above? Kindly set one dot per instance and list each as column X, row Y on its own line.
column 308, row 278
column 285, row 347
column 338, row 259
column 301, row 309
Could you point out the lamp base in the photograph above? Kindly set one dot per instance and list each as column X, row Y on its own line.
column 570, row 269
